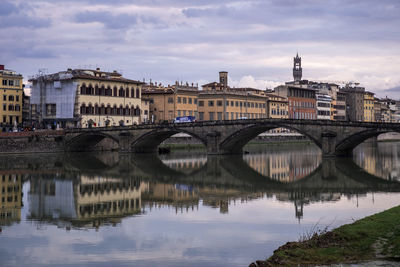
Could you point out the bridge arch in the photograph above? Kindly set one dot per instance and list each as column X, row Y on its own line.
column 87, row 141
column 346, row 146
column 149, row 142
column 234, row 143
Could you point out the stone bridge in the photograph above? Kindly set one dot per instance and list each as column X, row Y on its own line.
column 335, row 138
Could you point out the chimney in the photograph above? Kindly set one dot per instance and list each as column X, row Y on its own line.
column 1, row 67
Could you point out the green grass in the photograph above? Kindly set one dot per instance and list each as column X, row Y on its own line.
column 354, row 242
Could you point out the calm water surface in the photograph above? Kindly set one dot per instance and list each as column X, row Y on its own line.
column 184, row 208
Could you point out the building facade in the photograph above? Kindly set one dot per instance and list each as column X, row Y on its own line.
column 369, row 115
column 167, row 103
column 354, row 102
column 302, row 101
column 339, row 110
column 11, row 99
column 324, row 103
column 85, row 98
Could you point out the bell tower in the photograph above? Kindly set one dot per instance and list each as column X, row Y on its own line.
column 297, row 70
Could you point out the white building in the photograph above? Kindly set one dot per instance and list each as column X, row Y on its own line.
column 324, row 102
column 85, row 98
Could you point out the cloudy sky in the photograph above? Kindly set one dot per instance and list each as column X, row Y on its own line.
column 168, row 40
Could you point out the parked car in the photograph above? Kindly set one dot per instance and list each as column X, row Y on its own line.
column 185, row 119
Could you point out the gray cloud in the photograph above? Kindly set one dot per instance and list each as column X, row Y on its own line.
column 108, row 19
column 7, row 8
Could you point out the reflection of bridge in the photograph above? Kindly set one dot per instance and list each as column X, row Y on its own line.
column 219, row 137
column 110, row 186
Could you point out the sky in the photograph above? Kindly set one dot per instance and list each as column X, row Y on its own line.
column 191, row 41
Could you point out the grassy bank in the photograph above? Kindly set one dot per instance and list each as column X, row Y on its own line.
column 371, row 238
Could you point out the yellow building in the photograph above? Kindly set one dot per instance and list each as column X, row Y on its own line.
column 85, row 98
column 167, row 103
column 277, row 107
column 369, row 107
column 145, row 114
column 218, row 101
column 11, row 100
column 10, row 198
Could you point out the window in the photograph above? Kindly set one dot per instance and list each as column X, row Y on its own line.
column 4, row 119
column 179, row 99
column 4, row 98
column 219, row 115
column 190, row 100
column 184, row 100
column 10, row 98
column 170, row 100
column 11, row 82
column 211, row 114
column 17, row 98
column 201, row 116
column 236, row 104
column 16, row 82
column 201, row 103
column 219, row 103
column 210, row 103
column 10, row 107
column 195, row 101
column 232, row 103
column 4, row 82
column 227, row 103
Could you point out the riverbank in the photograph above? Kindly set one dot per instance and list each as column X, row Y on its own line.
column 376, row 237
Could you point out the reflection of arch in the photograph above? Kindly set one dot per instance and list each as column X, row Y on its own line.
column 347, row 145
column 235, row 142
column 87, row 141
column 148, row 142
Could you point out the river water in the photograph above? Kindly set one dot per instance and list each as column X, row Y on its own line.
column 185, row 208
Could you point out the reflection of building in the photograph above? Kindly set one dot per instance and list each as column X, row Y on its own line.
column 178, row 196
column 282, row 166
column 300, row 199
column 83, row 97
column 10, row 198
column 11, row 97
column 85, row 199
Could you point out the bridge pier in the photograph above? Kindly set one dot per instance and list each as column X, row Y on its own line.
column 213, row 140
column 328, row 144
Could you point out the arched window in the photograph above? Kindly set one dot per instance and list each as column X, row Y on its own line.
column 90, row 109
column 109, row 91
column 137, row 111
column 115, row 91
column 132, row 92
column 137, row 93
column 10, row 107
column 102, row 90
column 132, row 111
column 83, row 89
column 127, row 111
column 96, row 109
column 120, row 109
column 102, row 110
column 127, row 92
column 83, row 109
column 96, row 90
column 114, row 110
column 121, row 92
column 90, row 90
column 108, row 110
